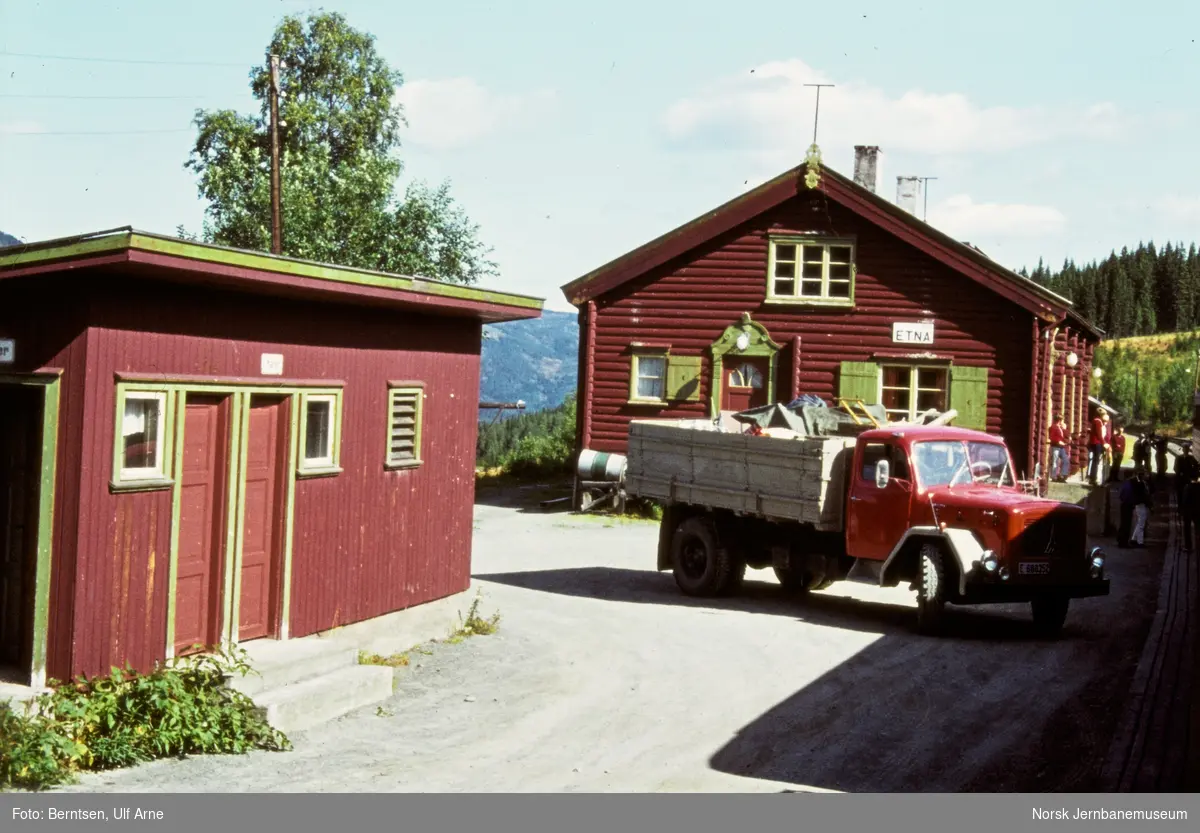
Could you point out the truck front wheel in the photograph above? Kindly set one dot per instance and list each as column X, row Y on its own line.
column 931, row 591
column 702, row 566
column 1050, row 613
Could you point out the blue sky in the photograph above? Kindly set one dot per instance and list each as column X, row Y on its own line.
column 574, row 132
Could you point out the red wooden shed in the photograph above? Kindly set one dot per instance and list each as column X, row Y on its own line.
column 815, row 284
column 201, row 444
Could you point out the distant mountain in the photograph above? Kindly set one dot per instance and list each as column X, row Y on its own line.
column 535, row 361
column 8, row 239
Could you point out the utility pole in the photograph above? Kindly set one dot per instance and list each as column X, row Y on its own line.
column 276, row 219
column 925, row 191
column 817, row 114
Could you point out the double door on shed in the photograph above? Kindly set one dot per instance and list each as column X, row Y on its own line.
column 230, row 523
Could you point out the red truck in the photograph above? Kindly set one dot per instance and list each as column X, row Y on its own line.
column 933, row 506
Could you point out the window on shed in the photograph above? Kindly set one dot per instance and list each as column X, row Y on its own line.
column 811, row 271
column 320, row 433
column 404, row 426
column 143, row 424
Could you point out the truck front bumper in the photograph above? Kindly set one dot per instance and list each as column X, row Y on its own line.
column 1007, row 593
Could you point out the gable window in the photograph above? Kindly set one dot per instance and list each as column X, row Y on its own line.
column 649, row 377
column 320, row 433
column 806, row 270
column 405, row 411
column 908, row 390
column 142, row 432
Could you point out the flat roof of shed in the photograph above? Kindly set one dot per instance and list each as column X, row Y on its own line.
column 172, row 259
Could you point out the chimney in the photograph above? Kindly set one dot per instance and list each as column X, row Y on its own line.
column 908, row 193
column 865, row 157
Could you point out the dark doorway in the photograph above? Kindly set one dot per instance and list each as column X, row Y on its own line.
column 20, row 463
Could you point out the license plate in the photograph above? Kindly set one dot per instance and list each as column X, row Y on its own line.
column 1034, row 568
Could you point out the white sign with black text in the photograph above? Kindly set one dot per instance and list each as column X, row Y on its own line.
column 272, row 364
column 8, row 351
column 912, row 333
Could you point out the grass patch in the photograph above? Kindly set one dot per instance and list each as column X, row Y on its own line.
column 183, row 708
column 474, row 624
column 400, row 660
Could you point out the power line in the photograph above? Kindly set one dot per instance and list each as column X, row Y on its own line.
column 90, row 132
column 119, row 60
column 106, row 97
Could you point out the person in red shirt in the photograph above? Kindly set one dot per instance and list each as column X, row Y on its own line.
column 1059, row 465
column 1118, row 453
column 1098, row 446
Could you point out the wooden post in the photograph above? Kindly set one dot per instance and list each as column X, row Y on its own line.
column 276, row 219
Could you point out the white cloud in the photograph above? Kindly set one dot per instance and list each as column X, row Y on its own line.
column 769, row 110
column 454, row 112
column 962, row 217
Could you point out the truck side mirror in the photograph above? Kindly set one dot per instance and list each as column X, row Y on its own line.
column 881, row 474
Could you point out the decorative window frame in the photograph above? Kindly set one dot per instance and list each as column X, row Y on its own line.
column 145, row 479
column 641, row 351
column 746, row 338
column 407, row 388
column 826, row 243
column 333, row 464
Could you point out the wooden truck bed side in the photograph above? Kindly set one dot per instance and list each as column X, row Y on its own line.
column 687, row 461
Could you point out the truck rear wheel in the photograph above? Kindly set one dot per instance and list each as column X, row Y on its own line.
column 703, row 567
column 931, row 592
column 1050, row 613
column 794, row 580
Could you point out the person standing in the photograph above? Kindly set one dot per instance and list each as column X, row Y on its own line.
column 1127, row 496
column 1191, row 516
column 1097, row 446
column 1118, row 453
column 1160, row 458
column 1141, row 511
column 1059, row 460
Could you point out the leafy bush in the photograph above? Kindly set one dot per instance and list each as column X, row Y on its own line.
column 183, row 708
column 540, row 444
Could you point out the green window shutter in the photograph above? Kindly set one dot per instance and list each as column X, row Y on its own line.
column 683, row 378
column 859, row 380
column 968, row 396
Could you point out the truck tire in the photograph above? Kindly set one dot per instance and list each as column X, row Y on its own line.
column 703, row 567
column 794, row 581
column 1050, row 614
column 931, row 591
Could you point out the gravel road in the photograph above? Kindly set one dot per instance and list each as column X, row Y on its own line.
column 603, row 677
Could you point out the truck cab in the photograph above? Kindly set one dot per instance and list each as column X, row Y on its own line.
column 941, row 508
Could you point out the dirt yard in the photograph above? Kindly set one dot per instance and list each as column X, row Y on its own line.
column 603, row 677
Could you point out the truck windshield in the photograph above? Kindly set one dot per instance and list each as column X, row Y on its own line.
column 955, row 462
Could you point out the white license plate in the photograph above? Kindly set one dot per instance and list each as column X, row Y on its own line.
column 1034, row 568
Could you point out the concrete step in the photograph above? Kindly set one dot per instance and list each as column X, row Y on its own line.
column 280, row 664
column 307, row 703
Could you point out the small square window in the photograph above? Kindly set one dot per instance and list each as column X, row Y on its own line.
column 650, row 378
column 811, row 272
column 143, row 425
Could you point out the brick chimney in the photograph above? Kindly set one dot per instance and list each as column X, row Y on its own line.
column 865, row 158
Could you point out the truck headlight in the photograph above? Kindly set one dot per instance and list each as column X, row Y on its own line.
column 1097, row 562
column 989, row 561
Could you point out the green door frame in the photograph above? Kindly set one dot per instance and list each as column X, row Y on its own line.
column 757, row 342
column 177, row 392
column 49, row 381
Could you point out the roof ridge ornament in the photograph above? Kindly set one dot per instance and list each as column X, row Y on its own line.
column 812, row 162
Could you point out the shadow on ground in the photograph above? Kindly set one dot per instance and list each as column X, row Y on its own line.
column 541, row 498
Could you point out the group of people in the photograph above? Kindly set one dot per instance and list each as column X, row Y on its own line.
column 1106, row 444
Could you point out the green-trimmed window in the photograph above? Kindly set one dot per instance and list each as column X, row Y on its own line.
column 320, row 433
column 405, row 412
column 811, row 271
column 141, row 447
column 908, row 390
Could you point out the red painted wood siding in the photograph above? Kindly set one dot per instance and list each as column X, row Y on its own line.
column 366, row 542
column 691, row 301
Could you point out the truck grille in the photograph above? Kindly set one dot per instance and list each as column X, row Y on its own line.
column 1053, row 536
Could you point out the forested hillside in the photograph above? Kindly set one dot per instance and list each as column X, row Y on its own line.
column 1140, row 292
column 534, row 361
